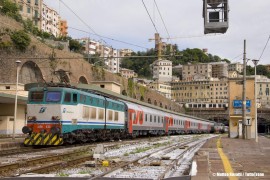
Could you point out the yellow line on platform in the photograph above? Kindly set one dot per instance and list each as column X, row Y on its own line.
column 226, row 163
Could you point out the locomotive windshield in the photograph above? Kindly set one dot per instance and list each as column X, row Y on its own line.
column 36, row 96
column 53, row 96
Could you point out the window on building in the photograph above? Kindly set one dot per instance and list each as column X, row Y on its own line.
column 28, row 10
column 36, row 2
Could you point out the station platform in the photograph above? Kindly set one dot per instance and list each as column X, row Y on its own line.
column 9, row 143
column 225, row 158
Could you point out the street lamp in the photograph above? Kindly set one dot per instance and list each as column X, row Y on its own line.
column 255, row 62
column 18, row 62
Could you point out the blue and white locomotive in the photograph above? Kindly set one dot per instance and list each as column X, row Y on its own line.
column 59, row 115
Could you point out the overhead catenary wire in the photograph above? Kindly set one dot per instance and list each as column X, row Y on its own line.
column 150, row 16
column 264, row 47
column 109, row 38
column 81, row 20
column 162, row 20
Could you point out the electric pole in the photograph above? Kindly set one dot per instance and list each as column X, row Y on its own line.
column 244, row 94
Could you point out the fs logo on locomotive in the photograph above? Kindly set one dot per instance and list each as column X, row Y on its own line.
column 42, row 109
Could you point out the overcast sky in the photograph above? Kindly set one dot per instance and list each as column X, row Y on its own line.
column 127, row 20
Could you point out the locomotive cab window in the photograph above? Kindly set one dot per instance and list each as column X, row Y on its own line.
column 53, row 96
column 67, row 97
column 36, row 96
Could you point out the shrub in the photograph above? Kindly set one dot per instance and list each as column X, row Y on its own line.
column 21, row 40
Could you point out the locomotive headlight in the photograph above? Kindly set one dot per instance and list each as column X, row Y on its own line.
column 26, row 130
column 32, row 118
column 55, row 117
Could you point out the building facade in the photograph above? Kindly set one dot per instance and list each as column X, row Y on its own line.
column 50, row 21
column 128, row 73
column 263, row 93
column 162, row 70
column 236, row 67
column 191, row 71
column 63, row 28
column 211, row 91
column 162, row 88
column 31, row 9
column 219, row 69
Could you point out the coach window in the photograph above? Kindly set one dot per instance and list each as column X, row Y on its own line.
column 85, row 112
column 145, row 117
column 100, row 114
column 110, row 115
column 150, row 118
column 93, row 112
column 116, row 117
column 162, row 120
column 158, row 119
column 67, row 97
column 154, row 118
column 75, row 98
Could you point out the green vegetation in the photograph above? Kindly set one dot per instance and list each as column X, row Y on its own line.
column 10, row 9
column 261, row 70
column 20, row 39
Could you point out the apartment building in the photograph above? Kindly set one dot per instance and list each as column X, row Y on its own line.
column 162, row 70
column 212, row 91
column 31, row 9
column 63, row 28
column 219, row 69
column 236, row 67
column 113, row 62
column 163, row 88
column 263, row 93
column 128, row 73
column 192, row 71
column 50, row 21
column 125, row 52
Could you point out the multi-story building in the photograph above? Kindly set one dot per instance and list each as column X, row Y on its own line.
column 219, row 69
column 113, row 62
column 194, row 71
column 162, row 88
column 128, row 73
column 63, row 28
column 263, row 93
column 236, row 67
column 208, row 91
column 31, row 9
column 50, row 21
column 162, row 70
column 125, row 52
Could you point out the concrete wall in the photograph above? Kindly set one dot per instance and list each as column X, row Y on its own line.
column 7, row 116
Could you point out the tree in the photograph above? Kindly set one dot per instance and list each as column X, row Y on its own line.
column 20, row 39
column 75, row 45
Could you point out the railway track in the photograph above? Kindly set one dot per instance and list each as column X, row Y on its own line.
column 158, row 164
column 51, row 161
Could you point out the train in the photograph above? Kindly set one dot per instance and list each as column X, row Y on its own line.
column 64, row 115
